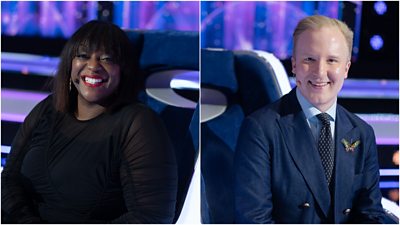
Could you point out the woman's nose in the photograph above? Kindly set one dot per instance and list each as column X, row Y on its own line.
column 93, row 63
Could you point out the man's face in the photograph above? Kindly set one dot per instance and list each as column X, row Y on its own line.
column 320, row 64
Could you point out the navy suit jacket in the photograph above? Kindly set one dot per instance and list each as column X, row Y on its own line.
column 279, row 177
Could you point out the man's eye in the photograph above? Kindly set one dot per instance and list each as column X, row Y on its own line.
column 332, row 60
column 309, row 59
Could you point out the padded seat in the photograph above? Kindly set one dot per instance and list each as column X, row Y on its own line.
column 161, row 56
column 233, row 85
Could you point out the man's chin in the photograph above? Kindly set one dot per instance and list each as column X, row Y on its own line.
column 322, row 104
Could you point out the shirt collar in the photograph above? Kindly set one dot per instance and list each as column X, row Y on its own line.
column 311, row 111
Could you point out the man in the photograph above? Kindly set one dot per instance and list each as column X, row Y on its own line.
column 295, row 166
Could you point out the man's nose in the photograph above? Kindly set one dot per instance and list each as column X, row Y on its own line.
column 320, row 68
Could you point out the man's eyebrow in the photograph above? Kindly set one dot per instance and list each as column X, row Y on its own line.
column 334, row 56
column 308, row 54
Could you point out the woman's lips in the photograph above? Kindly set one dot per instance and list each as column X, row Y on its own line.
column 93, row 80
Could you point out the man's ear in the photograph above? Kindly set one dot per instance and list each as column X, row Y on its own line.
column 346, row 72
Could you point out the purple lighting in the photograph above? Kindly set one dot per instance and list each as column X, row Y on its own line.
column 46, row 19
column 264, row 25
column 25, row 95
column 29, row 64
column 13, row 117
column 389, row 172
column 380, row 7
column 62, row 18
column 17, row 104
column 389, row 184
column 387, row 141
column 376, row 42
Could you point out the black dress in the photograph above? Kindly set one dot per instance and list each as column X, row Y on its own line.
column 118, row 167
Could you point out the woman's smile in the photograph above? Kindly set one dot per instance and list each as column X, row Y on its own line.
column 93, row 80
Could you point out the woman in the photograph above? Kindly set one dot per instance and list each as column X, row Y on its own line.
column 87, row 153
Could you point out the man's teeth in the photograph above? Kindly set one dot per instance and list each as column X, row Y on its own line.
column 319, row 84
column 93, row 80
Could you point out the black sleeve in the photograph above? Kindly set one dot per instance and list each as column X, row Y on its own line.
column 16, row 205
column 148, row 172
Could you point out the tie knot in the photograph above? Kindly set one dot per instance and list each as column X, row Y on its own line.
column 324, row 118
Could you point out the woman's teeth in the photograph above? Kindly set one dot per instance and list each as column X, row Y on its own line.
column 93, row 80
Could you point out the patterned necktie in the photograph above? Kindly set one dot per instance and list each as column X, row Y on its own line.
column 325, row 146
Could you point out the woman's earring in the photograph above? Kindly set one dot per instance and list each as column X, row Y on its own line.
column 70, row 84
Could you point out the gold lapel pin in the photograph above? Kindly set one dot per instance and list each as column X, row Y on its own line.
column 350, row 146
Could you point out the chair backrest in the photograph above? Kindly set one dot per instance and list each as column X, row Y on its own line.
column 233, row 85
column 261, row 77
column 163, row 56
column 218, row 133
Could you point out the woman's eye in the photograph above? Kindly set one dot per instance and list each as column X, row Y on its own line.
column 82, row 56
column 106, row 59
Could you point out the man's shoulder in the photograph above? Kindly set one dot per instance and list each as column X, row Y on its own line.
column 268, row 113
column 354, row 119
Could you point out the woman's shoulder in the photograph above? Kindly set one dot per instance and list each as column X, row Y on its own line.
column 135, row 114
column 45, row 105
column 37, row 114
column 48, row 101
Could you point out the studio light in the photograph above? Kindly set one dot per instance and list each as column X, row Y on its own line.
column 380, row 7
column 376, row 42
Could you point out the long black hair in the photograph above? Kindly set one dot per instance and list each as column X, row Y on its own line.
column 93, row 36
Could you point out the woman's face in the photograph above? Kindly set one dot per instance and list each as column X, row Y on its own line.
column 95, row 75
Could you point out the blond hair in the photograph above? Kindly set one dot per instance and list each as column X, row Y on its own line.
column 317, row 22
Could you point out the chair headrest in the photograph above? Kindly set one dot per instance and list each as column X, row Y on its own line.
column 257, row 81
column 170, row 50
column 218, row 70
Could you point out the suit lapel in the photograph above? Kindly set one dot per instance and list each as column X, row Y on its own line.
column 301, row 146
column 345, row 160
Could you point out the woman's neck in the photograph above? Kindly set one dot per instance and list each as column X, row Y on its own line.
column 87, row 111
